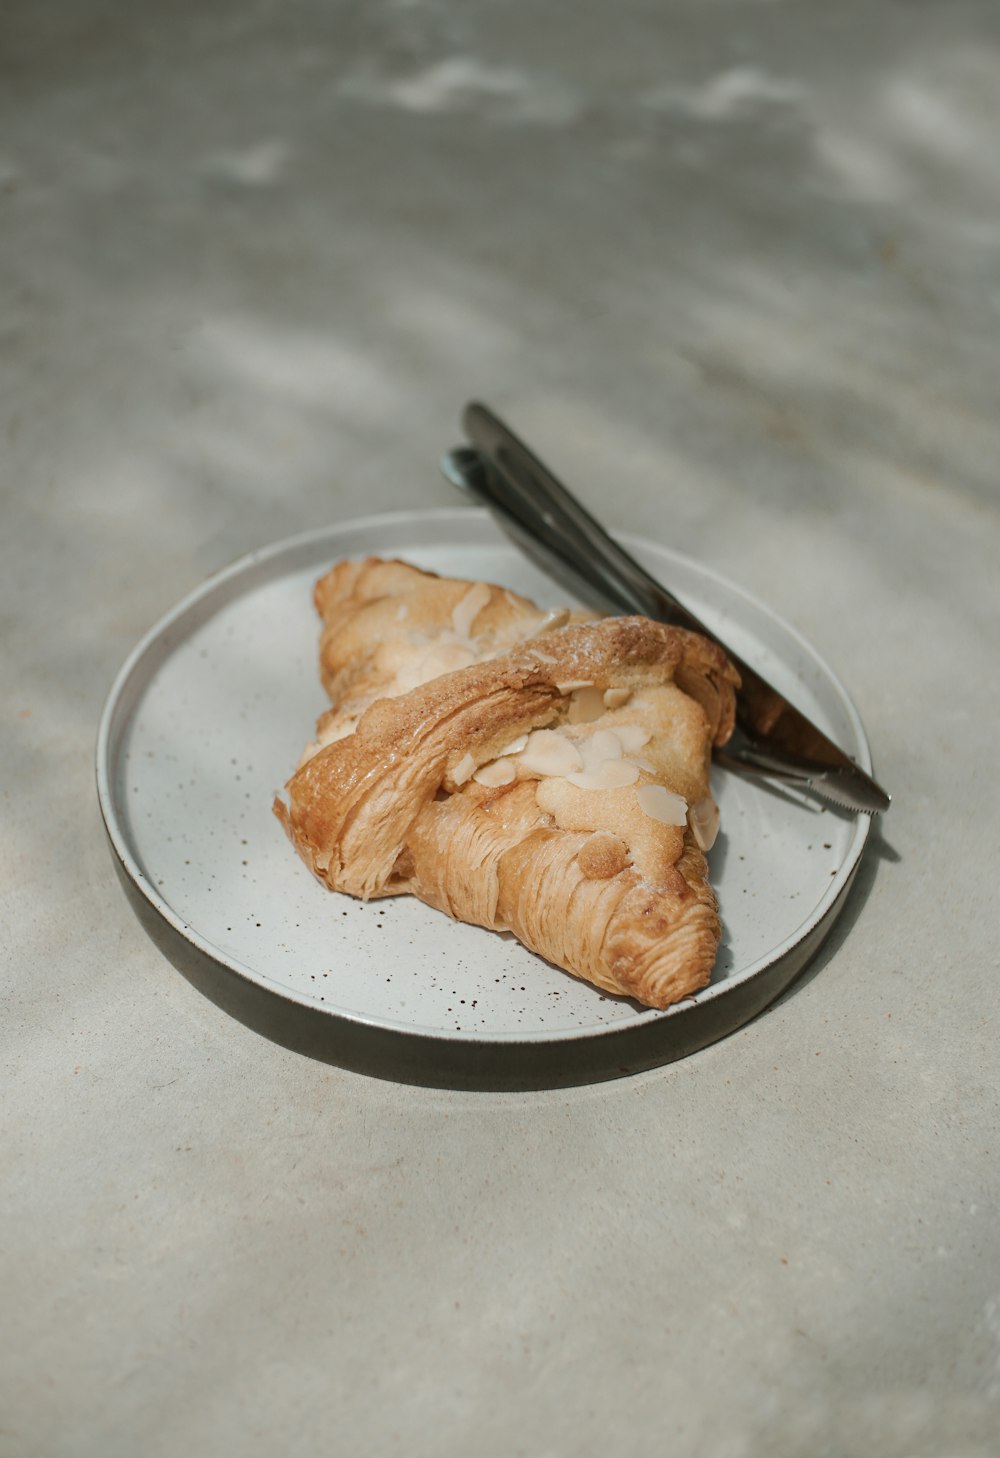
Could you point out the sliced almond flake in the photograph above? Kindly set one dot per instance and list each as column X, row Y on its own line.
column 549, row 622
column 586, row 705
column 516, row 745
column 612, row 774
column 548, row 752
column 498, row 772
column 662, row 804
column 598, row 746
column 465, row 767
column 569, row 685
column 544, row 657
column 632, row 736
column 616, row 698
column 704, row 819
column 465, row 612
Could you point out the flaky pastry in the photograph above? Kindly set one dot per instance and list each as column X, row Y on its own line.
column 542, row 773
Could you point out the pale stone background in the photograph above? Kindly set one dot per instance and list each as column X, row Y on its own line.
column 734, row 267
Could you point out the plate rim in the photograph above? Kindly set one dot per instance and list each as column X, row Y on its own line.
column 782, row 955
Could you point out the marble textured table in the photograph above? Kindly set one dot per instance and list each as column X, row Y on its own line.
column 733, row 268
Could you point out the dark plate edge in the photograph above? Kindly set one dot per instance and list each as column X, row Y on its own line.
column 421, row 1059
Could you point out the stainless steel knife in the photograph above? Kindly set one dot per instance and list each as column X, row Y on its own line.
column 772, row 738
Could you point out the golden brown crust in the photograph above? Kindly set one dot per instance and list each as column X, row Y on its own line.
column 393, row 802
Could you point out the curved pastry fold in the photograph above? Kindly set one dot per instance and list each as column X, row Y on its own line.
column 503, row 765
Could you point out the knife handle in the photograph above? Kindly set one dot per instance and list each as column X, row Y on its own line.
column 531, row 493
column 550, row 514
column 557, row 531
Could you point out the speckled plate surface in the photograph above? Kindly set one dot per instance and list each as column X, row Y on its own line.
column 206, row 721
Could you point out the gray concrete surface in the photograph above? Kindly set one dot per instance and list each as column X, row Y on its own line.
column 733, row 267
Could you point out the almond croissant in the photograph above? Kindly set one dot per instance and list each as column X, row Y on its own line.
column 541, row 773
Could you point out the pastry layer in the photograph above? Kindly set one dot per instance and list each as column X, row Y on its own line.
column 501, row 768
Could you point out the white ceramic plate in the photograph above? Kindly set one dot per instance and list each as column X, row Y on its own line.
column 206, row 721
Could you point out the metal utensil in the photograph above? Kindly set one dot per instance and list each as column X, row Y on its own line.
column 772, row 737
